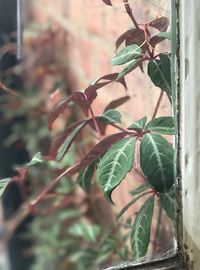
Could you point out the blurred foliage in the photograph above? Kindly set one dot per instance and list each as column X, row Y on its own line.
column 67, row 239
column 66, row 235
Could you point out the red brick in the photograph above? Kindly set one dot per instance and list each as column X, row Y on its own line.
column 103, row 61
column 75, row 10
column 94, row 16
column 85, row 49
column 116, row 22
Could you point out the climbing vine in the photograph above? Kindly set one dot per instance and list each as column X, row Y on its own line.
column 109, row 161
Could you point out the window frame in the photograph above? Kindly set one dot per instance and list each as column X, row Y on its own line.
column 189, row 142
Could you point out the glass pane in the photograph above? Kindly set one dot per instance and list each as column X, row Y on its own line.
column 95, row 109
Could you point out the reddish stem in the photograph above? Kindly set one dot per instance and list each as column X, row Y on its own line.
column 27, row 208
column 157, row 105
column 147, row 34
column 51, row 186
column 130, row 13
column 10, row 91
column 23, row 190
column 95, row 122
column 123, row 129
column 146, row 58
column 51, row 210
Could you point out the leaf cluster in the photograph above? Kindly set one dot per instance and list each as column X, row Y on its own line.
column 113, row 156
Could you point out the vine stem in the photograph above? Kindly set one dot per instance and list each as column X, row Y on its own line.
column 123, row 129
column 66, row 202
column 157, row 231
column 129, row 12
column 8, row 90
column 158, row 105
column 26, row 208
column 131, row 203
column 95, row 122
column 51, row 186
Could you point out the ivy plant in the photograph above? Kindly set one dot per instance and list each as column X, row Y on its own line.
column 113, row 156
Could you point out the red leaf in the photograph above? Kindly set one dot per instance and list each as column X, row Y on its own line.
column 107, row 2
column 141, row 67
column 57, row 110
column 116, row 103
column 112, row 78
column 22, row 172
column 109, row 77
column 123, row 82
column 59, row 140
column 101, row 125
column 81, row 100
column 78, row 97
column 161, row 23
column 84, row 100
column 155, row 40
column 132, row 36
column 98, row 150
column 91, row 93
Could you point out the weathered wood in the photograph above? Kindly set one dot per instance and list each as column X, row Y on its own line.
column 188, row 232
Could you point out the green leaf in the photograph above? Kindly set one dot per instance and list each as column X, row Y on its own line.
column 103, row 256
column 163, row 125
column 3, row 184
column 129, row 66
column 157, row 161
column 85, row 177
column 111, row 116
column 140, row 235
column 160, row 73
column 166, row 35
column 140, row 189
column 68, row 214
column 127, row 54
column 65, row 186
column 84, row 230
column 123, row 253
column 63, row 148
column 168, row 202
column 115, row 165
column 83, row 257
column 139, row 125
column 38, row 158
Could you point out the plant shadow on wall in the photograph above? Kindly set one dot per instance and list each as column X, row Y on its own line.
column 104, row 166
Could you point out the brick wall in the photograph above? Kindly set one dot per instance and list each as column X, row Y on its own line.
column 92, row 29
column 86, row 45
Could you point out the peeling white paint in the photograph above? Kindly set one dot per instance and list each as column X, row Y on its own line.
column 190, row 103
